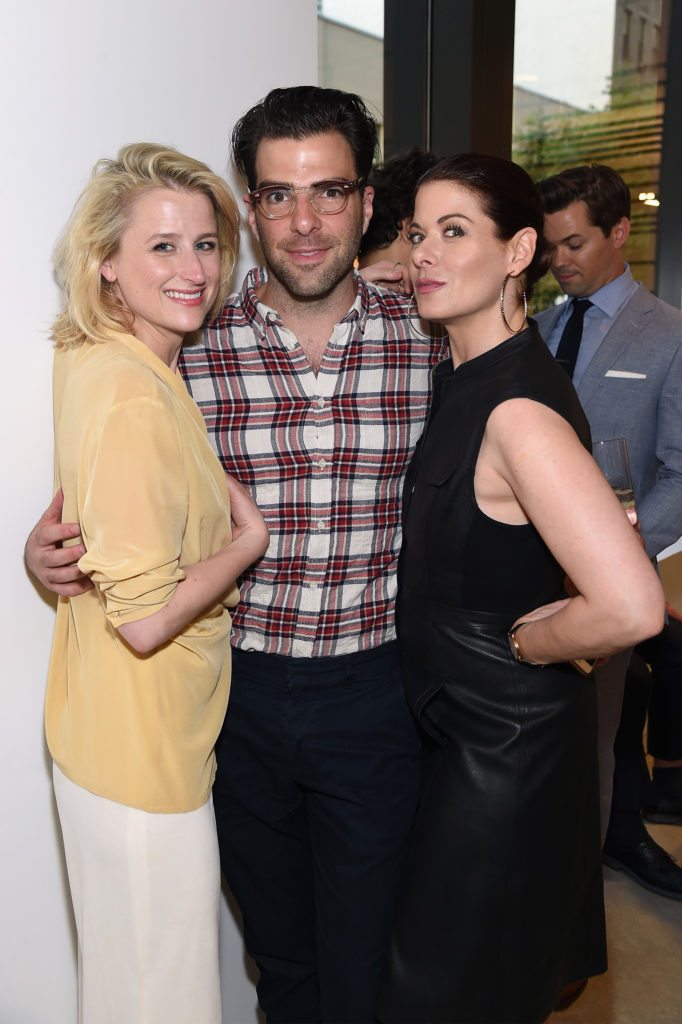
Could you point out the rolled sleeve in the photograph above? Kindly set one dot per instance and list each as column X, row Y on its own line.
column 133, row 501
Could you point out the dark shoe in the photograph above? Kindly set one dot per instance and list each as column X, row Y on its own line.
column 664, row 812
column 570, row 993
column 649, row 865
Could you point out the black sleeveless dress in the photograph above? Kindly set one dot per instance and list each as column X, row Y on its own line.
column 504, row 903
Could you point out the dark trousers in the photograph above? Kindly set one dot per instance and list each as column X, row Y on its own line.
column 631, row 775
column 658, row 692
column 317, row 784
column 664, row 654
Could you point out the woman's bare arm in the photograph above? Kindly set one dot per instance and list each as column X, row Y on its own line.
column 536, row 454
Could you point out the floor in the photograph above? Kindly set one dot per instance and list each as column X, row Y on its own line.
column 644, row 982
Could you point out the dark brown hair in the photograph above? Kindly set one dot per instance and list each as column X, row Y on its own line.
column 599, row 187
column 394, row 183
column 507, row 195
column 298, row 113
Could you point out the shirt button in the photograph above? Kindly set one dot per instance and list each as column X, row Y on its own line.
column 320, row 403
column 322, row 463
column 314, row 586
column 320, row 524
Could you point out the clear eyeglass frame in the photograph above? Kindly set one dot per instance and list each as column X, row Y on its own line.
column 325, row 205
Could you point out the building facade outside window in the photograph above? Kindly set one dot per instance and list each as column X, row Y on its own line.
column 350, row 55
column 590, row 83
column 590, row 86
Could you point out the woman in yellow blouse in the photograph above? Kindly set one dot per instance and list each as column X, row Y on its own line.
column 139, row 673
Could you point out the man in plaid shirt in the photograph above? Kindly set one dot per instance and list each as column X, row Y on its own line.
column 314, row 387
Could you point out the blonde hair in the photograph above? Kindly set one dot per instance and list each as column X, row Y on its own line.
column 92, row 235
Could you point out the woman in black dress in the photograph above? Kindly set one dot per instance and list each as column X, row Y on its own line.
column 503, row 501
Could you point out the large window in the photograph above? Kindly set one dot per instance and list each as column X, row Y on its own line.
column 350, row 37
column 589, row 86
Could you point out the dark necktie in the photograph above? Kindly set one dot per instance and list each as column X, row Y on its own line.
column 567, row 352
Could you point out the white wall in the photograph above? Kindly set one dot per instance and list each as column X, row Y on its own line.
column 77, row 80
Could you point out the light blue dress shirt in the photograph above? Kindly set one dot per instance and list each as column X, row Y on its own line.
column 607, row 303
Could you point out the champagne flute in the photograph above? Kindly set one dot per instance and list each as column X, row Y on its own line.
column 612, row 458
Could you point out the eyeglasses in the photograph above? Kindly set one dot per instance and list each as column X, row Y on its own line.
column 276, row 201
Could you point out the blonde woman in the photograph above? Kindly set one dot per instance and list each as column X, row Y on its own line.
column 140, row 673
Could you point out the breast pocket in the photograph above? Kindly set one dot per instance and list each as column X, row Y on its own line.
column 623, row 407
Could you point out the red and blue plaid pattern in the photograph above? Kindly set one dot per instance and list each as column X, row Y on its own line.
column 324, row 457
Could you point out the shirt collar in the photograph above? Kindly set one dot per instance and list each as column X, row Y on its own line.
column 610, row 297
column 256, row 309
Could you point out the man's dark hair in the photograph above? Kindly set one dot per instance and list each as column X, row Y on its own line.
column 507, row 195
column 299, row 112
column 395, row 183
column 599, row 187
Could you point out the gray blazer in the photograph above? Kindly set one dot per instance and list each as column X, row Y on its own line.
column 632, row 388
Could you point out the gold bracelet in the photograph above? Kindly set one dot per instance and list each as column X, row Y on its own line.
column 585, row 666
column 516, row 650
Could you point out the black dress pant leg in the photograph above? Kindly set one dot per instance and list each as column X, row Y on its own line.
column 664, row 654
column 362, row 759
column 318, row 769
column 265, row 855
column 631, row 775
column 658, row 692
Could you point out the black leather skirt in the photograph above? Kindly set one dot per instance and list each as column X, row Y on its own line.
column 504, row 903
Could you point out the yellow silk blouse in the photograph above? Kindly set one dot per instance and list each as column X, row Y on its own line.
column 139, row 475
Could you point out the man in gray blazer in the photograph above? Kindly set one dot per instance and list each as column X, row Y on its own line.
column 623, row 348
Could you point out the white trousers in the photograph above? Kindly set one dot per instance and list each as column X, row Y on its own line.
column 146, row 897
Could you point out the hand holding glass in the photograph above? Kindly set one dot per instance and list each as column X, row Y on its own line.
column 612, row 458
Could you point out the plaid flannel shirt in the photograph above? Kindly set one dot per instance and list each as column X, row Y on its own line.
column 324, row 457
